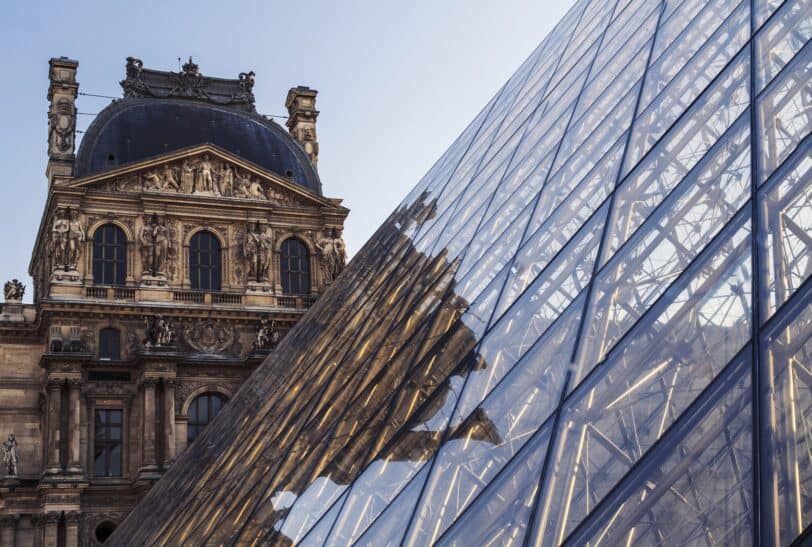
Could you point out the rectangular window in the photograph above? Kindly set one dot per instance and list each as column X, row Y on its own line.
column 107, row 443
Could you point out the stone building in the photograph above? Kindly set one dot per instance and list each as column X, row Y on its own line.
column 180, row 242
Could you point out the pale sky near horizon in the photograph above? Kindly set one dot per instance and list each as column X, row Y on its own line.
column 397, row 82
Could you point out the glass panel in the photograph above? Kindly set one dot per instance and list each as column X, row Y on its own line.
column 694, row 489
column 612, row 420
column 786, row 203
column 317, row 536
column 714, row 112
column 787, row 430
column 391, row 525
column 499, row 516
column 489, row 432
column 670, row 238
column 678, row 153
column 782, row 39
column 785, row 112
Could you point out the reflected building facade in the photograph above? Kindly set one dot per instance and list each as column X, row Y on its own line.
column 589, row 323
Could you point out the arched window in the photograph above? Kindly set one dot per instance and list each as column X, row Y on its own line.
column 109, row 344
column 109, row 255
column 295, row 267
column 204, row 262
column 202, row 411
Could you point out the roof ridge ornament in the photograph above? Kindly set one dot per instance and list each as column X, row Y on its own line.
column 190, row 83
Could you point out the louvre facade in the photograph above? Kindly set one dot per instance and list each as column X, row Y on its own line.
column 589, row 323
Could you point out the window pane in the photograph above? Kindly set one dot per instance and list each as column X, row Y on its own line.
column 787, row 396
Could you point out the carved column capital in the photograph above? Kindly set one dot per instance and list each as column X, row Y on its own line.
column 8, row 521
column 54, row 384
column 73, row 517
column 148, row 382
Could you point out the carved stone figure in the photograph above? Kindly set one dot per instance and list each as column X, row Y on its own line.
column 14, row 290
column 226, row 180
column 155, row 246
column 265, row 254
column 311, row 147
column 205, row 180
column 76, row 235
column 251, row 251
column 333, row 255
column 10, row 460
column 152, row 181
column 160, row 332
column 59, row 239
column 187, row 177
column 267, row 335
column 255, row 189
column 168, row 179
column 61, row 126
column 210, row 336
column 241, row 188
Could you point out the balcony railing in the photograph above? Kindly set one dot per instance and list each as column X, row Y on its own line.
column 199, row 297
column 192, row 297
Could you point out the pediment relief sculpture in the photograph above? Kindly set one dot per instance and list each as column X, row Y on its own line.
column 205, row 175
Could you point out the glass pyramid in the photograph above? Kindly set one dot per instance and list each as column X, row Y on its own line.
column 589, row 323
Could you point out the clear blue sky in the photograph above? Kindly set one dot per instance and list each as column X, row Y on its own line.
column 397, row 81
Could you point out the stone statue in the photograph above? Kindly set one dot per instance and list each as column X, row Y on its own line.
column 333, row 255
column 153, row 181
column 241, row 189
column 155, row 244
column 226, row 180
column 187, row 177
column 59, row 239
column 267, row 335
column 265, row 254
column 10, row 459
column 205, row 181
column 311, row 147
column 251, row 251
column 14, row 290
column 255, row 189
column 76, row 236
column 168, row 179
column 160, row 332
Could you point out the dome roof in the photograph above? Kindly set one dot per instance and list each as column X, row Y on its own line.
column 135, row 129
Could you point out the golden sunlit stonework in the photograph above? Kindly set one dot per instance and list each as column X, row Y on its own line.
column 177, row 246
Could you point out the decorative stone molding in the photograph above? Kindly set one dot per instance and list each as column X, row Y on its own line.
column 210, row 336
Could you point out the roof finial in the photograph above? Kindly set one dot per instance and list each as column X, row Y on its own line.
column 191, row 68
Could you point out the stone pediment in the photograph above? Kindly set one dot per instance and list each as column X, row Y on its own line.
column 206, row 171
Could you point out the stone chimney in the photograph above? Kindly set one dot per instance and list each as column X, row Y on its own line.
column 61, row 119
column 302, row 114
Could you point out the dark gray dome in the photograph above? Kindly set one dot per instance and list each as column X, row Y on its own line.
column 131, row 130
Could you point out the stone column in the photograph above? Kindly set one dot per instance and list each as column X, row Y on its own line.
column 169, row 421
column 51, row 530
column 148, row 416
column 38, row 527
column 54, row 421
column 72, row 520
column 8, row 525
column 74, row 426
